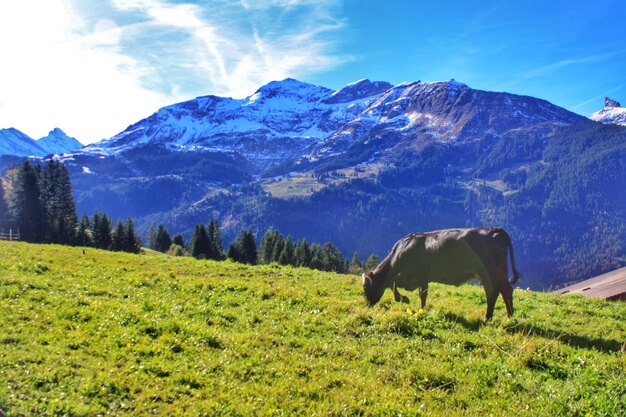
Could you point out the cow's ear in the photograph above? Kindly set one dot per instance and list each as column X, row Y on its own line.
column 367, row 276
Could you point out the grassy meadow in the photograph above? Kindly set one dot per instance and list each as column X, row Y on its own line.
column 105, row 333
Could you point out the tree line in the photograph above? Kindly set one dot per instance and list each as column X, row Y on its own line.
column 206, row 243
column 37, row 202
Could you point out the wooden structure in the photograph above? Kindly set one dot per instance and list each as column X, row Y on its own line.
column 609, row 286
column 10, row 235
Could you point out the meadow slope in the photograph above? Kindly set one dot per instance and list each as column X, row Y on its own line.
column 107, row 333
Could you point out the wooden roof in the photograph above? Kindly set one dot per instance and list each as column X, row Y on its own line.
column 609, row 286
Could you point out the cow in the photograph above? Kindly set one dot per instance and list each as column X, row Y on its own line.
column 451, row 256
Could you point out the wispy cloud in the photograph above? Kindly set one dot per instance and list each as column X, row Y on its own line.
column 244, row 46
column 558, row 65
column 94, row 71
column 598, row 97
column 551, row 68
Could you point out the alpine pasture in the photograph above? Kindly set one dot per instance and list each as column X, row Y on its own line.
column 105, row 333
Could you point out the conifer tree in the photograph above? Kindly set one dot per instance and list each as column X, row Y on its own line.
column 317, row 257
column 333, row 259
column 151, row 236
column 215, row 241
column 163, row 240
column 267, row 246
column 199, row 244
column 286, row 256
column 4, row 209
column 57, row 199
column 118, row 237
column 101, row 228
column 372, row 262
column 83, row 234
column 178, row 240
column 279, row 244
column 27, row 211
column 132, row 241
column 355, row 266
column 244, row 249
column 302, row 253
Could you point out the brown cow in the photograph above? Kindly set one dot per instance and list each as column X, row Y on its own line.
column 452, row 256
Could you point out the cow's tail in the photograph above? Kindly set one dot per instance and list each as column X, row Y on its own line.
column 516, row 274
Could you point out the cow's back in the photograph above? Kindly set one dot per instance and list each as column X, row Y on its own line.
column 450, row 256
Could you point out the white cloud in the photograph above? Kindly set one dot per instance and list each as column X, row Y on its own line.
column 94, row 77
column 57, row 77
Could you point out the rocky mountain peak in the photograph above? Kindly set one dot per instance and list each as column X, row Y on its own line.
column 361, row 89
column 609, row 103
column 291, row 88
column 612, row 113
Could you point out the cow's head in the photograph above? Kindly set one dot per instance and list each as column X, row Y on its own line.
column 372, row 289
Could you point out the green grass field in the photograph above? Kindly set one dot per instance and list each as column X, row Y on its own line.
column 117, row 334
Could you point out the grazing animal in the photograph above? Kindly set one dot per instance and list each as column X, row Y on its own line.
column 452, row 256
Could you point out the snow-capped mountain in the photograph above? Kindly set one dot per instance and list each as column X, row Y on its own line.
column 280, row 120
column 13, row 142
column 290, row 119
column 612, row 113
column 57, row 142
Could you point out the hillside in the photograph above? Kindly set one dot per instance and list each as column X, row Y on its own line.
column 116, row 334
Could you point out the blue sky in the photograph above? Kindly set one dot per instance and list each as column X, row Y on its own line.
column 94, row 67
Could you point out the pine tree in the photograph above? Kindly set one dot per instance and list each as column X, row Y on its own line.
column 317, row 257
column 83, row 234
column 57, row 199
column 132, row 241
column 215, row 241
column 118, row 237
column 279, row 244
column 27, row 212
column 267, row 246
column 101, row 227
column 355, row 266
column 244, row 249
column 199, row 244
column 235, row 253
column 178, row 240
column 333, row 259
column 163, row 240
column 4, row 209
column 151, row 236
column 302, row 253
column 67, row 207
column 372, row 262
column 286, row 256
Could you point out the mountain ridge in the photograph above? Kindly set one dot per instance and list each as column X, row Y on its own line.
column 16, row 143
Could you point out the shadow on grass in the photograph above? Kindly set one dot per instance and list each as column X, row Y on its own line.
column 605, row 345
column 463, row 321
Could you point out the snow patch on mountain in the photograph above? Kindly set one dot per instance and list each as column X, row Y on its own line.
column 612, row 113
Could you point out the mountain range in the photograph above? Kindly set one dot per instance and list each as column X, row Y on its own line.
column 366, row 164
column 15, row 143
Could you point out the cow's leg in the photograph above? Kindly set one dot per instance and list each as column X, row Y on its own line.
column 492, row 296
column 423, row 294
column 399, row 297
column 505, row 288
column 507, row 295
